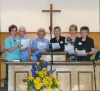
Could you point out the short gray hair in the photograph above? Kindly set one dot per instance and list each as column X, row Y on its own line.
column 21, row 27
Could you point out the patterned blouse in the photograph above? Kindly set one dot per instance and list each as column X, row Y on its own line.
column 69, row 41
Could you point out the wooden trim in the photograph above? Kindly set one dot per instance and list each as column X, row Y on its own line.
column 56, row 63
column 65, row 72
column 54, row 53
column 15, row 77
column 91, row 79
column 48, row 32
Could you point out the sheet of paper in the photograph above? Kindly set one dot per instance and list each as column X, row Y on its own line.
column 55, row 45
column 25, row 43
column 69, row 49
column 42, row 45
column 81, row 52
column 16, row 60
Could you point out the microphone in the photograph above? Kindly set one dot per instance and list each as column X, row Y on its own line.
column 53, row 71
column 14, row 40
column 92, row 59
column 50, row 28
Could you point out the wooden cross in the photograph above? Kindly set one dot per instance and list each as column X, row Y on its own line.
column 51, row 13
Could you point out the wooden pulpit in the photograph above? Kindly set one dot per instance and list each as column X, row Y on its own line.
column 57, row 56
column 73, row 76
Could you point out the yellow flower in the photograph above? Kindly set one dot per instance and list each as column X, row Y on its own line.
column 38, row 86
column 25, row 83
column 41, row 58
column 30, row 78
column 45, row 81
column 42, row 80
column 37, row 63
column 48, row 88
column 44, row 69
column 37, row 72
column 37, row 80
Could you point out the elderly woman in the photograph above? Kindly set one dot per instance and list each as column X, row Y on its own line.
column 12, row 45
column 70, row 40
column 39, row 44
column 58, row 39
column 85, row 44
column 25, row 52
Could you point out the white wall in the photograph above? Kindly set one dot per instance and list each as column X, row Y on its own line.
column 29, row 14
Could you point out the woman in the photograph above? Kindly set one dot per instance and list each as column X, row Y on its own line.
column 38, row 42
column 25, row 52
column 58, row 39
column 70, row 40
column 85, row 44
column 12, row 45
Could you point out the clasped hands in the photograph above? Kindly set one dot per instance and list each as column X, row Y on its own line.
column 36, row 49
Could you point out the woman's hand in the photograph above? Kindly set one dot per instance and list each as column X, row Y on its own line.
column 35, row 49
column 19, row 46
column 24, row 49
column 77, row 54
column 46, row 49
column 86, row 54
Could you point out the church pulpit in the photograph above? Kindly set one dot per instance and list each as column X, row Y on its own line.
column 73, row 76
column 57, row 56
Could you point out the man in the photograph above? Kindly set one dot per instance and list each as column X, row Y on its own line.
column 12, row 45
column 58, row 39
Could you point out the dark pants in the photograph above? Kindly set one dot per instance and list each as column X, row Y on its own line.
column 84, row 58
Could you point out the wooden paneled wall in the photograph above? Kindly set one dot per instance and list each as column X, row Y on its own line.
column 94, row 35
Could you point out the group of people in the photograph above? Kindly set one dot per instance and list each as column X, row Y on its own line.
column 15, row 52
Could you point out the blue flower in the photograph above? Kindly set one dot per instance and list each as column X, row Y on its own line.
column 45, row 64
column 39, row 56
column 33, row 72
column 48, row 73
column 39, row 68
column 34, row 67
column 24, row 80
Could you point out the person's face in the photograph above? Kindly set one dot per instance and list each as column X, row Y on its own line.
column 72, row 31
column 13, row 32
column 22, row 32
column 57, row 33
column 84, row 33
column 41, row 35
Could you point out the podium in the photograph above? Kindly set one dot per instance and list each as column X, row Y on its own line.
column 73, row 76
column 57, row 56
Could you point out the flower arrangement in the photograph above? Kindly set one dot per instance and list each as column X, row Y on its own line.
column 41, row 79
